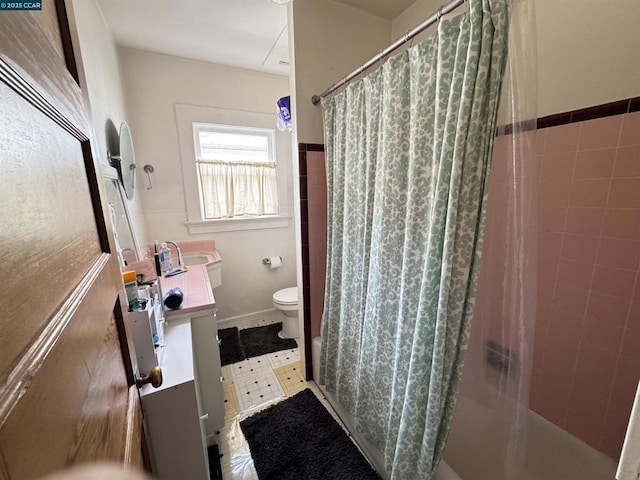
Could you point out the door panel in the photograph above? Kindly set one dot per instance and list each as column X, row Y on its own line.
column 47, row 224
column 30, row 42
column 67, row 391
column 100, row 428
column 53, row 419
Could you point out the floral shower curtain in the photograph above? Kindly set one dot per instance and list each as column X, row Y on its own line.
column 408, row 150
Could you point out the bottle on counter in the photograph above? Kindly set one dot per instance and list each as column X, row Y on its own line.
column 130, row 286
column 156, row 258
column 165, row 258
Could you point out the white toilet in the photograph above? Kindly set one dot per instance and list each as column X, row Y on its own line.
column 286, row 300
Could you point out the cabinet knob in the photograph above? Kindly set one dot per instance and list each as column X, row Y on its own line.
column 154, row 378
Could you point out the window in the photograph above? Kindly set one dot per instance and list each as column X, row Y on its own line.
column 236, row 170
column 254, row 129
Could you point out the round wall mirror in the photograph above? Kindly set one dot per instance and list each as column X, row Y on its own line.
column 125, row 163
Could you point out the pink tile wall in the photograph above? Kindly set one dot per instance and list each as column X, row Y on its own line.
column 317, row 207
column 587, row 348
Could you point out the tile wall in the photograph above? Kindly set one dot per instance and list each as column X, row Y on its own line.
column 317, row 198
column 587, row 349
column 586, row 363
column 313, row 213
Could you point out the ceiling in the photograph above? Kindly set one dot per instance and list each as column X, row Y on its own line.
column 241, row 33
column 248, row 34
column 388, row 9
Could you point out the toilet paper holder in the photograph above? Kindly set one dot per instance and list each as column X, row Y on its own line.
column 267, row 261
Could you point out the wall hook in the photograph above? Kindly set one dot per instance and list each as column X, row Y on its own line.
column 148, row 170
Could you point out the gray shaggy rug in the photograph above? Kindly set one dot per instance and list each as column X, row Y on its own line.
column 258, row 341
column 299, row 439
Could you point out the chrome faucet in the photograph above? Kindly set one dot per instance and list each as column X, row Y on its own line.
column 178, row 251
column 124, row 258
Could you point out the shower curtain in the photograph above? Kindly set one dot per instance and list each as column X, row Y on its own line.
column 408, row 150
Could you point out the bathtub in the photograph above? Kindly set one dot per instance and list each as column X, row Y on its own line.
column 477, row 445
column 548, row 452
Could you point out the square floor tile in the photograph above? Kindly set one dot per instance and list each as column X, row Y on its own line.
column 226, row 374
column 283, row 357
column 231, row 406
column 251, row 366
column 257, row 388
column 291, row 379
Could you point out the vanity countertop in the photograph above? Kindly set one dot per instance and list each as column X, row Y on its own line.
column 195, row 285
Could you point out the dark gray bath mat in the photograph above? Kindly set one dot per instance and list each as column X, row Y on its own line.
column 215, row 470
column 262, row 340
column 299, row 439
column 230, row 349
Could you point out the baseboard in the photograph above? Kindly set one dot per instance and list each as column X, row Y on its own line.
column 270, row 315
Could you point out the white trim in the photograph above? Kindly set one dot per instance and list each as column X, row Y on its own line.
column 109, row 173
column 235, row 224
column 270, row 315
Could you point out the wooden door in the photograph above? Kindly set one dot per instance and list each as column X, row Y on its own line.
column 67, row 391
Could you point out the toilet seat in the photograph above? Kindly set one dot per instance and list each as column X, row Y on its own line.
column 286, row 296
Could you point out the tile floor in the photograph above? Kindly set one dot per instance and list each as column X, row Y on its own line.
column 250, row 386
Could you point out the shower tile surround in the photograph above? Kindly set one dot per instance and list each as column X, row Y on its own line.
column 586, row 362
column 313, row 216
column 587, row 347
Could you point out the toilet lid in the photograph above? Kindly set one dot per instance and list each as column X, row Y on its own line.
column 286, row 296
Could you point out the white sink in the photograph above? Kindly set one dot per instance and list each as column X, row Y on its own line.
column 197, row 259
column 214, row 270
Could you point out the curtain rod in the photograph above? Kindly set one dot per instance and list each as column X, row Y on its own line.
column 394, row 46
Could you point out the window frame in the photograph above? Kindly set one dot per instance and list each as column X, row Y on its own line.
column 187, row 116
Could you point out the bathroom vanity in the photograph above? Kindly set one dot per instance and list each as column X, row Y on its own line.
column 185, row 413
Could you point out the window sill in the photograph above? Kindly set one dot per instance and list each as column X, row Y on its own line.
column 237, row 224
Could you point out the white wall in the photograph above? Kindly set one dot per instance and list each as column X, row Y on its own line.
column 413, row 15
column 330, row 41
column 95, row 50
column 154, row 84
column 588, row 53
column 587, row 50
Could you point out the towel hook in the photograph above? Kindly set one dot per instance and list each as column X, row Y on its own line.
column 148, row 170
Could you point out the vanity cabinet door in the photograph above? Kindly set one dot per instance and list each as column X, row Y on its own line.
column 173, row 411
column 209, row 372
column 173, row 419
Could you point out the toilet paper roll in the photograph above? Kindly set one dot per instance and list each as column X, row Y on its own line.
column 275, row 262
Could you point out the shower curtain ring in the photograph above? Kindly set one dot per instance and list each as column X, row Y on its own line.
column 363, row 68
column 411, row 40
column 439, row 14
column 407, row 38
